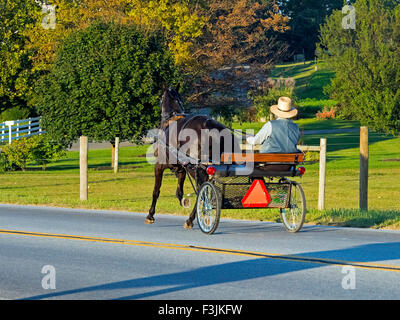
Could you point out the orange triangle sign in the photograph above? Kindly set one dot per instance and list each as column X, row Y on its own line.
column 257, row 196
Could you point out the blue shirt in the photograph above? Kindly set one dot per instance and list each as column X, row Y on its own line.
column 277, row 136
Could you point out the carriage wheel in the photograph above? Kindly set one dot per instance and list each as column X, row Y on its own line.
column 208, row 208
column 293, row 217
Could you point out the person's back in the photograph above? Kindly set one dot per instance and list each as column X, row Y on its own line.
column 281, row 135
column 284, row 137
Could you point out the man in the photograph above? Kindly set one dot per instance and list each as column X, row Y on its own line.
column 280, row 135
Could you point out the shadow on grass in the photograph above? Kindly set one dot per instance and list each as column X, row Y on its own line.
column 73, row 164
column 343, row 141
column 313, row 86
column 294, row 70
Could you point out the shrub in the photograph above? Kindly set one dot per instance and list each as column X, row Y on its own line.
column 19, row 153
column 327, row 113
column 263, row 102
column 247, row 115
column 15, row 113
column 46, row 150
column 312, row 156
column 225, row 115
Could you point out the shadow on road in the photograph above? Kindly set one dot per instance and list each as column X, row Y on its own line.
column 232, row 272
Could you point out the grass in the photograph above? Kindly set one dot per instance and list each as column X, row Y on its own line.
column 311, row 78
column 132, row 187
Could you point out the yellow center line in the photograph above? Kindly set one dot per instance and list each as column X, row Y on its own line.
column 295, row 258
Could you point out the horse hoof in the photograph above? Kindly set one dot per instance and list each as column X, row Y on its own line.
column 185, row 202
column 188, row 226
column 149, row 221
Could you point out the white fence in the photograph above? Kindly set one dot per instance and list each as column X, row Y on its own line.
column 16, row 129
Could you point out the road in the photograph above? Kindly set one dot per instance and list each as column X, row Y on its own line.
column 55, row 253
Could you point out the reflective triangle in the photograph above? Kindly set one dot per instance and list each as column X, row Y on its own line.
column 257, row 196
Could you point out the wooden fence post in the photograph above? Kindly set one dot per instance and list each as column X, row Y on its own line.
column 364, row 158
column 116, row 154
column 322, row 174
column 83, row 167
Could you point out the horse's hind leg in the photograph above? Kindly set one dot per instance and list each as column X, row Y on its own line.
column 201, row 177
column 158, row 172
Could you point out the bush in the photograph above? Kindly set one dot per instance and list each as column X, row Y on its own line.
column 326, row 113
column 15, row 113
column 225, row 115
column 263, row 102
column 247, row 115
column 312, row 156
column 19, row 153
column 46, row 150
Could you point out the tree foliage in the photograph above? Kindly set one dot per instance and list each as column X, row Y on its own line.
column 71, row 15
column 238, row 46
column 16, row 71
column 306, row 16
column 106, row 82
column 366, row 63
column 178, row 20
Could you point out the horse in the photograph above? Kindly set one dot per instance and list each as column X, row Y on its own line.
column 175, row 119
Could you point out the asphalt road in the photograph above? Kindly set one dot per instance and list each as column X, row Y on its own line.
column 54, row 253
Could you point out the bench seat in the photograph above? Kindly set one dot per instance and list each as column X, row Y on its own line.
column 267, row 158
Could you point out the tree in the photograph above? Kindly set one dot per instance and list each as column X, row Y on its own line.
column 178, row 20
column 71, row 15
column 106, row 82
column 366, row 63
column 306, row 16
column 237, row 48
column 16, row 72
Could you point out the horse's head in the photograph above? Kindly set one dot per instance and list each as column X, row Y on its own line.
column 171, row 102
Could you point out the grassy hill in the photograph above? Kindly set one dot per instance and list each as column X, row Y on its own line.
column 311, row 78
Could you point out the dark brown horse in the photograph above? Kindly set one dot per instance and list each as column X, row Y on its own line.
column 175, row 122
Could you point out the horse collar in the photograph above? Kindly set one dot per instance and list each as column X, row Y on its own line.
column 172, row 119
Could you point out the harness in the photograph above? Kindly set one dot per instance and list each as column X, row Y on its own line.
column 170, row 120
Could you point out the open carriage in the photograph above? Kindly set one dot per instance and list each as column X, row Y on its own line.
column 235, row 181
column 243, row 181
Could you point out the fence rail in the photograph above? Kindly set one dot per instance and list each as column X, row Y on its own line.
column 16, row 129
column 322, row 165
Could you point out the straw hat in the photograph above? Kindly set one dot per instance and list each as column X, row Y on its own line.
column 284, row 108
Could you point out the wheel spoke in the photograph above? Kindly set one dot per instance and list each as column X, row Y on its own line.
column 293, row 217
column 207, row 208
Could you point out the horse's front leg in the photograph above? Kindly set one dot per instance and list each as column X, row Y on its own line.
column 158, row 173
column 189, row 222
column 179, row 190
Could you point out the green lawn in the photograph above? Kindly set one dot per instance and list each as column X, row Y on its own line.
column 311, row 78
column 131, row 189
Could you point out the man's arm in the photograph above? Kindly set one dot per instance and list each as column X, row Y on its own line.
column 262, row 135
